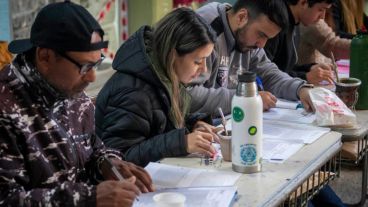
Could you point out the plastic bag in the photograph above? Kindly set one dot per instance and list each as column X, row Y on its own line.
column 330, row 110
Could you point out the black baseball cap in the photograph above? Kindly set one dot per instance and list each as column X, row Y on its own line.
column 63, row 26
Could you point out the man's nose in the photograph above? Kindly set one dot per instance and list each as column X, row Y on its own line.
column 261, row 43
column 90, row 76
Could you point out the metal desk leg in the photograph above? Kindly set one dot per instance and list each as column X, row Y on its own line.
column 364, row 182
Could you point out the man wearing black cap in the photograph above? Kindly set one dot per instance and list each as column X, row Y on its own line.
column 49, row 154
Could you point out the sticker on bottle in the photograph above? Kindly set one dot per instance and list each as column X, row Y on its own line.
column 252, row 130
column 238, row 114
column 248, row 154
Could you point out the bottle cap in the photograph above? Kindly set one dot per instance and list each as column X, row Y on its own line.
column 247, row 77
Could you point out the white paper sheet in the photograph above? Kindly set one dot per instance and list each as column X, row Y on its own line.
column 188, row 177
column 290, row 115
column 285, row 104
column 195, row 197
column 292, row 132
column 288, row 131
column 279, row 151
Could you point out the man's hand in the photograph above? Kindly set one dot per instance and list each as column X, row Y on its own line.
column 320, row 72
column 200, row 142
column 269, row 100
column 204, row 127
column 127, row 170
column 305, row 99
column 116, row 193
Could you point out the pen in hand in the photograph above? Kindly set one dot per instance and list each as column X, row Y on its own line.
column 259, row 83
column 115, row 171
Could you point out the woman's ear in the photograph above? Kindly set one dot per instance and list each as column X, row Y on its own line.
column 174, row 53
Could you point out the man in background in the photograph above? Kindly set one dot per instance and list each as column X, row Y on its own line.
column 242, row 32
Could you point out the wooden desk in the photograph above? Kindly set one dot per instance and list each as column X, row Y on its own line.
column 279, row 182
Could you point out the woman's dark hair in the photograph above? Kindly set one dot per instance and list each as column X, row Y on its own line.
column 183, row 31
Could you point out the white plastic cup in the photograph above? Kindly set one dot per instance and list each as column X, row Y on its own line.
column 169, row 199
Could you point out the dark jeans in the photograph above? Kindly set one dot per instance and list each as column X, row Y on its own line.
column 326, row 198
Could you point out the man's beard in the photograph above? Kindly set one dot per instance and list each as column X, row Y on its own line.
column 239, row 46
column 75, row 93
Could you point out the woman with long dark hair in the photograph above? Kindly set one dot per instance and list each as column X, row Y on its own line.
column 142, row 109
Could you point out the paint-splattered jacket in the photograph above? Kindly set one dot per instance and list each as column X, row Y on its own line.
column 48, row 150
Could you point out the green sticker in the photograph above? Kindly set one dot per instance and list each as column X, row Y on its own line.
column 252, row 130
column 238, row 114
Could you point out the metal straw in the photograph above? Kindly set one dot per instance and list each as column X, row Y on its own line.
column 223, row 120
column 335, row 67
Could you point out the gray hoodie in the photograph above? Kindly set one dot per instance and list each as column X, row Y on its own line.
column 216, row 87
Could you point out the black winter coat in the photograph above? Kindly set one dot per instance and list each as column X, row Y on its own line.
column 132, row 108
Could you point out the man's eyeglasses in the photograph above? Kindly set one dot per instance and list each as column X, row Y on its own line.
column 85, row 68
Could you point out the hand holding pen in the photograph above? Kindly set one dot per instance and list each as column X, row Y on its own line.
column 113, row 193
column 268, row 99
column 126, row 170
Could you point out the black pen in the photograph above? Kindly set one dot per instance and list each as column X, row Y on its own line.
column 115, row 171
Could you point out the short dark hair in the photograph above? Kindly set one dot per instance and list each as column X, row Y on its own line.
column 275, row 10
column 310, row 2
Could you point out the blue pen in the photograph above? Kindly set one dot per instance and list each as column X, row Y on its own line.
column 259, row 83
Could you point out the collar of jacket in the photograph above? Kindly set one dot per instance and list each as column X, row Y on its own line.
column 229, row 35
column 28, row 75
column 291, row 17
column 161, row 73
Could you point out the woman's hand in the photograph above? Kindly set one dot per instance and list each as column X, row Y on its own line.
column 200, row 142
column 204, row 127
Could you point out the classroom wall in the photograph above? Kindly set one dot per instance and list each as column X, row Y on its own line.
column 5, row 25
column 146, row 12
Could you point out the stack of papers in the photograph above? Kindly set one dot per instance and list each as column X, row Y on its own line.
column 290, row 111
column 182, row 177
column 278, row 151
column 292, row 132
column 285, row 104
column 282, row 139
column 201, row 187
column 289, row 115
